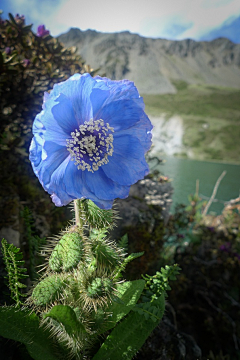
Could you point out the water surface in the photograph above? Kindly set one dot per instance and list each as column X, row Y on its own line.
column 185, row 172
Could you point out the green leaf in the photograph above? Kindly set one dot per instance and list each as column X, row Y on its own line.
column 65, row 315
column 123, row 242
column 129, row 293
column 128, row 336
column 23, row 326
column 121, row 268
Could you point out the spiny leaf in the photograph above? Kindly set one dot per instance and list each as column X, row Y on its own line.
column 128, row 336
column 23, row 326
column 67, row 317
column 128, row 293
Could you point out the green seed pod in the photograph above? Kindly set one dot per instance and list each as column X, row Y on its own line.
column 47, row 290
column 67, row 253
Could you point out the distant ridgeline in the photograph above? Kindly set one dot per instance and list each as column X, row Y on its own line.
column 156, row 64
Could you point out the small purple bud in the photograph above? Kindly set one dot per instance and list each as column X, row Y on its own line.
column 41, row 31
column 8, row 50
column 20, row 20
column 26, row 62
column 211, row 228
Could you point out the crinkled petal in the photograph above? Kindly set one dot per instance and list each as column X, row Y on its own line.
column 64, row 115
column 53, row 156
column 121, row 114
column 46, row 128
column 35, row 154
column 120, row 90
column 103, row 187
column 141, row 130
column 68, row 183
column 78, row 89
column 127, row 164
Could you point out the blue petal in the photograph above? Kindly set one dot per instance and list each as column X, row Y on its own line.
column 121, row 89
column 35, row 153
column 98, row 97
column 127, row 164
column 53, row 156
column 64, row 115
column 141, row 130
column 68, row 183
column 103, row 187
column 46, row 128
column 78, row 89
column 122, row 114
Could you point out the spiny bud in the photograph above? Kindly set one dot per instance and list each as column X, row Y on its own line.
column 99, row 287
column 67, row 253
column 47, row 290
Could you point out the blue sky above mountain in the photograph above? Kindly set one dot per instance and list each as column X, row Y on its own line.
column 172, row 19
column 229, row 29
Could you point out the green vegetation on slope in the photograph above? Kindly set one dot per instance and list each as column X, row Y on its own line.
column 211, row 119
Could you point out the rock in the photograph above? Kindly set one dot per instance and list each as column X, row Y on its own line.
column 142, row 216
column 12, row 236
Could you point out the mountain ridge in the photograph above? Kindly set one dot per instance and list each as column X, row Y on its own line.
column 156, row 64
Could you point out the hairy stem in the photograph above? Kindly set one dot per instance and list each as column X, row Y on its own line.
column 79, row 214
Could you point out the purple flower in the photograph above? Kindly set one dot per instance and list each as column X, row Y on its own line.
column 20, row 20
column 8, row 50
column 26, row 62
column 41, row 31
column 90, row 140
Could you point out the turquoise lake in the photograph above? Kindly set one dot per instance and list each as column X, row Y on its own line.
column 185, row 172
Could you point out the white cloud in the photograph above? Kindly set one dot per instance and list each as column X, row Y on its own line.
column 154, row 18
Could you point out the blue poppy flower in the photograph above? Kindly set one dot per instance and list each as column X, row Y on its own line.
column 90, row 140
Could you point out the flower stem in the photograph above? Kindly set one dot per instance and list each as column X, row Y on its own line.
column 78, row 214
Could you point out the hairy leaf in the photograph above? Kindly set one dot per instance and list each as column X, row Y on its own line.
column 129, row 336
column 23, row 326
column 128, row 293
column 67, row 317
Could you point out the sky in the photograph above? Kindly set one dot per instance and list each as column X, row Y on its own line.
column 170, row 19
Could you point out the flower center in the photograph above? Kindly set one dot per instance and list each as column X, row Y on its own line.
column 91, row 145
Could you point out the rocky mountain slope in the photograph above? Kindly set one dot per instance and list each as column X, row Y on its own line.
column 155, row 64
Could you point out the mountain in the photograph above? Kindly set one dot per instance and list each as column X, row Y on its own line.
column 156, row 64
column 229, row 29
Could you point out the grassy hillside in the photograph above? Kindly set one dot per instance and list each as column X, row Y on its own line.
column 211, row 119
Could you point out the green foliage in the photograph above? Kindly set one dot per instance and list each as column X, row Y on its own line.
column 67, row 253
column 158, row 284
column 23, row 325
column 128, row 294
column 12, row 258
column 123, row 243
column 67, row 317
column 34, row 242
column 129, row 335
column 120, row 269
column 31, row 66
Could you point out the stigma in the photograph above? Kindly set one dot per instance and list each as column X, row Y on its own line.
column 91, row 145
